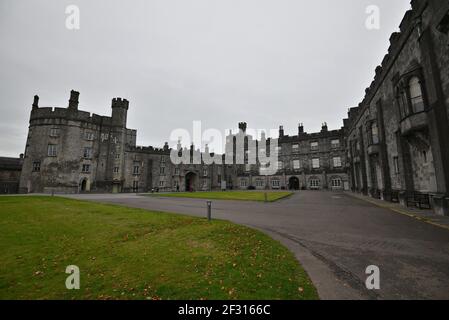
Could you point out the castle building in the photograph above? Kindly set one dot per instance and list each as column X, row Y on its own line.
column 71, row 151
column 397, row 136
column 393, row 145
column 10, row 170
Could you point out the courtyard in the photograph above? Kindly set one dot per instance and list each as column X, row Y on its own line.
column 335, row 237
column 270, row 196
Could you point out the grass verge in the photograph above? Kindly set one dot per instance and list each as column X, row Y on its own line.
column 126, row 253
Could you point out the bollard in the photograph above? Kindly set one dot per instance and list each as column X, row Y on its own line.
column 209, row 210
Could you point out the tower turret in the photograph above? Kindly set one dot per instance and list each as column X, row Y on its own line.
column 119, row 112
column 242, row 126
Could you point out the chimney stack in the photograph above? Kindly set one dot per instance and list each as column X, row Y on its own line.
column 300, row 128
column 36, row 102
column 281, row 131
column 74, row 100
column 324, row 127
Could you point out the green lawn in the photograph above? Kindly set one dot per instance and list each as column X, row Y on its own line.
column 229, row 195
column 128, row 253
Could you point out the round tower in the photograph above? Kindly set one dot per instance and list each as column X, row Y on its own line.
column 119, row 112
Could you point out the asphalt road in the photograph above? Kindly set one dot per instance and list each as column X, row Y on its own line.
column 335, row 237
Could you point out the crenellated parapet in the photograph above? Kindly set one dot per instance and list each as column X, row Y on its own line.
column 409, row 24
column 150, row 150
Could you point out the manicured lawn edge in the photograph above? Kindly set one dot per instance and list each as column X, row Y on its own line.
column 207, row 195
column 127, row 253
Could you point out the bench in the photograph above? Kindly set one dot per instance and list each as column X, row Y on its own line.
column 419, row 200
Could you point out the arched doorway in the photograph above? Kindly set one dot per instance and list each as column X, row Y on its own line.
column 190, row 182
column 293, row 183
column 84, row 185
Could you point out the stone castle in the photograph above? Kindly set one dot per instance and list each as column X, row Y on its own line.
column 70, row 151
column 392, row 146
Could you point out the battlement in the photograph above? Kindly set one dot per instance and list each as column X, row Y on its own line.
column 67, row 114
column 310, row 136
column 149, row 150
column 409, row 23
column 120, row 103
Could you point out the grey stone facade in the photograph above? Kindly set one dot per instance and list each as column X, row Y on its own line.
column 10, row 169
column 70, row 151
column 397, row 136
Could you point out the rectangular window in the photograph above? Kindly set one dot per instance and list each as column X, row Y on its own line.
column 135, row 186
column 316, row 163
column 247, row 167
column 295, row 147
column 296, row 164
column 163, row 160
column 89, row 136
column 275, row 183
column 162, row 171
column 336, row 183
column 176, row 171
column 161, row 184
column 86, row 168
column 54, row 132
column 314, row 183
column 259, row 183
column 396, row 165
column 52, row 150
column 374, row 133
column 87, row 153
column 116, row 169
column 280, row 165
column 205, row 172
column 104, row 137
column 243, row 183
column 335, row 144
column 337, row 162
column 36, row 166
column 314, row 146
column 136, row 170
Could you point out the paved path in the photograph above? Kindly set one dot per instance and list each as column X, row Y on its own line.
column 335, row 237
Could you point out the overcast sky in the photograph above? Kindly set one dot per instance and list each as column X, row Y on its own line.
column 266, row 62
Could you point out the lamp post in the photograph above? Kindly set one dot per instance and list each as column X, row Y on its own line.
column 209, row 210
